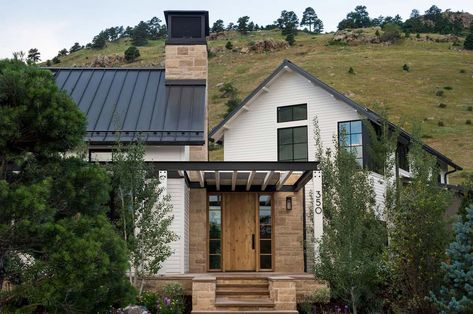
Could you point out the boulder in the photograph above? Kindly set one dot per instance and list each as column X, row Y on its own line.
column 136, row 309
column 267, row 45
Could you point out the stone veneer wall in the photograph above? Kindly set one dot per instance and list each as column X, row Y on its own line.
column 288, row 233
column 186, row 62
column 198, row 231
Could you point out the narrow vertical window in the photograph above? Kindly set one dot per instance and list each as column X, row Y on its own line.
column 265, row 232
column 350, row 136
column 215, row 232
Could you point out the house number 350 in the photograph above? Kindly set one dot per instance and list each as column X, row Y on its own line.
column 318, row 202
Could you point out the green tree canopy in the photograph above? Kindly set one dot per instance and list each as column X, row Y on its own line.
column 75, row 47
column 139, row 35
column 218, row 26
column 456, row 295
column 358, row 18
column 350, row 250
column 34, row 55
column 287, row 22
column 242, row 24
column 56, row 245
column 310, row 18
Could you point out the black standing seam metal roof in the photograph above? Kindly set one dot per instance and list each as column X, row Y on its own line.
column 137, row 104
column 371, row 115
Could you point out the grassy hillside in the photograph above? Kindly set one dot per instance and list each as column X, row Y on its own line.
column 379, row 82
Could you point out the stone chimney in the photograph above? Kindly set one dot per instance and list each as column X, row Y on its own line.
column 186, row 59
column 186, row 46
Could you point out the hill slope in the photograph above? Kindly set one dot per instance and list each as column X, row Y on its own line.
column 379, row 81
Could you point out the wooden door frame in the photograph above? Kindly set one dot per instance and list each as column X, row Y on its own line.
column 257, row 231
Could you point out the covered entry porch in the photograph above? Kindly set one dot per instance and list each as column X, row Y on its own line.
column 246, row 235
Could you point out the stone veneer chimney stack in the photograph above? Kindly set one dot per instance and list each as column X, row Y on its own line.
column 186, row 57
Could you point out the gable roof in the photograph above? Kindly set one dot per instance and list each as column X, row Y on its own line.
column 137, row 102
column 216, row 132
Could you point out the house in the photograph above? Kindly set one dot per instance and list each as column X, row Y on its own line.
column 243, row 222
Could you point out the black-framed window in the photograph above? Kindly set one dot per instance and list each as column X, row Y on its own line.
column 265, row 229
column 215, row 232
column 292, row 113
column 350, row 136
column 292, row 144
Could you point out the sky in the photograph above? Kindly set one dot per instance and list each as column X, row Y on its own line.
column 50, row 25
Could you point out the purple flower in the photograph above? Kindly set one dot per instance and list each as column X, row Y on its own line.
column 167, row 301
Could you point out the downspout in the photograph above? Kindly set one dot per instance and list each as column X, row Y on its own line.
column 304, row 235
column 447, row 173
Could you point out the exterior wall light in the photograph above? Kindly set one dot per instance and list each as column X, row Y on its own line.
column 288, row 203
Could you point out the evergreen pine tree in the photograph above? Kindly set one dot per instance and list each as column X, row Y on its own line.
column 468, row 44
column 456, row 295
column 139, row 34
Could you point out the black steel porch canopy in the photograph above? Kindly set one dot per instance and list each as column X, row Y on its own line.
column 241, row 176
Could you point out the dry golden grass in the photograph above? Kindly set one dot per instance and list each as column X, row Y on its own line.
column 379, row 82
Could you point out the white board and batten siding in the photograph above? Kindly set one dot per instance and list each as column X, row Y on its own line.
column 178, row 262
column 253, row 135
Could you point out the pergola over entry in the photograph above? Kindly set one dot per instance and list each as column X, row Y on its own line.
column 241, row 176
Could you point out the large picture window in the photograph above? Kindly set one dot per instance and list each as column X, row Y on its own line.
column 292, row 113
column 350, row 136
column 292, row 144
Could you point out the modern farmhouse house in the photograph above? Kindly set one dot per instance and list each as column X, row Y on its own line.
column 242, row 222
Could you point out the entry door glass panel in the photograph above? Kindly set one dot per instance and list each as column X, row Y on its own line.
column 215, row 232
column 265, row 232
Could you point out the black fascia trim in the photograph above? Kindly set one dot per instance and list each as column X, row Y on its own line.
column 186, row 41
column 237, row 165
column 159, row 143
column 242, row 188
column 186, row 82
column 371, row 115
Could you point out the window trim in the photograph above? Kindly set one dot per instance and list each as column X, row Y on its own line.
column 307, row 142
column 291, row 106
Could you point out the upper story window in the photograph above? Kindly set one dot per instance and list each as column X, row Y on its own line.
column 350, row 136
column 402, row 155
column 292, row 144
column 292, row 113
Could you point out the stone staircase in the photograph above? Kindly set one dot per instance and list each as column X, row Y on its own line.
column 240, row 295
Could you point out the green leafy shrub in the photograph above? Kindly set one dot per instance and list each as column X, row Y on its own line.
column 131, row 54
column 171, row 299
column 149, row 300
column 440, row 123
column 470, row 108
column 290, row 39
column 417, row 35
column 227, row 90
column 351, row 70
column 392, row 33
column 448, row 88
column 439, row 93
column 229, row 45
column 468, row 122
column 406, row 67
column 442, row 105
column 468, row 44
column 462, row 71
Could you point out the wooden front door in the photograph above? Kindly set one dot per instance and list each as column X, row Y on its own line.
column 239, row 230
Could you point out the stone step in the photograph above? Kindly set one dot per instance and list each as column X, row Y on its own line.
column 241, row 280
column 245, row 285
column 239, row 291
column 254, row 303
column 247, row 312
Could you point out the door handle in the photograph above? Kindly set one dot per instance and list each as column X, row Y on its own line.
column 253, row 241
